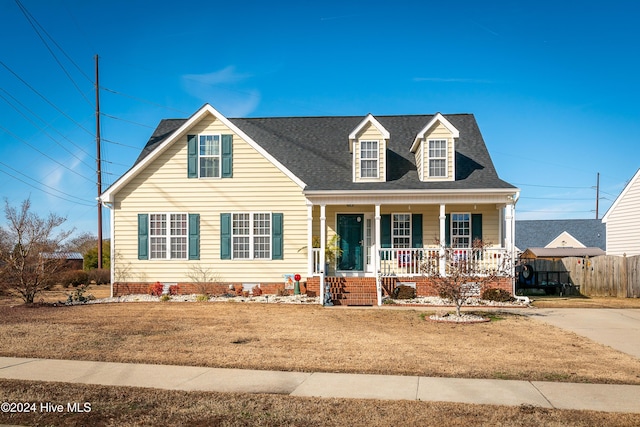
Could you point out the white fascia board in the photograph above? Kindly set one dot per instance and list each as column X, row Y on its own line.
column 621, row 196
column 368, row 119
column 457, row 192
column 437, row 118
column 108, row 195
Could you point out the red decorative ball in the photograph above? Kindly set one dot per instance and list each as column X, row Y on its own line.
column 297, row 277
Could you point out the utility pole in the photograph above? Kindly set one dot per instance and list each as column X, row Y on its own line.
column 597, row 193
column 99, row 167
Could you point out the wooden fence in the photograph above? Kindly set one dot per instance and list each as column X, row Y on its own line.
column 606, row 275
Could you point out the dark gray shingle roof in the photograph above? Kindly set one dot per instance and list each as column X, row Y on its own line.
column 539, row 233
column 316, row 150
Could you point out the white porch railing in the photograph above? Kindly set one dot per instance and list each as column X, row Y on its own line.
column 423, row 261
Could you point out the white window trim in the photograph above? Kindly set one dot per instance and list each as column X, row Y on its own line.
column 410, row 230
column 168, row 236
column 252, row 236
column 451, row 231
column 377, row 158
column 218, row 156
column 445, row 158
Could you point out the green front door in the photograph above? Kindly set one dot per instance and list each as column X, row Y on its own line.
column 350, row 230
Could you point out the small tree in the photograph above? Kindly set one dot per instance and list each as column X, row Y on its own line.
column 29, row 250
column 204, row 278
column 467, row 271
column 91, row 256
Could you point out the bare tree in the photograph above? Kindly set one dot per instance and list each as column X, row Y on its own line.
column 466, row 271
column 29, row 250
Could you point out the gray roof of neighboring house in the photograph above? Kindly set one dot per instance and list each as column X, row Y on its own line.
column 316, row 150
column 63, row 255
column 563, row 252
column 539, row 233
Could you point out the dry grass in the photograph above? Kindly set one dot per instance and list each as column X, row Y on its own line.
column 310, row 338
column 585, row 302
column 298, row 338
column 111, row 406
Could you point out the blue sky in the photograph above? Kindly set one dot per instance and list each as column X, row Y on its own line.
column 553, row 85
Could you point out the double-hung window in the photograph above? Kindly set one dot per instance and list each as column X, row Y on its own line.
column 437, row 158
column 461, row 230
column 168, row 236
column 251, row 235
column 401, row 230
column 369, row 159
column 209, row 156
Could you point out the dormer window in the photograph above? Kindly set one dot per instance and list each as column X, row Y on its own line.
column 368, row 148
column 434, row 148
column 369, row 159
column 437, row 158
column 209, row 150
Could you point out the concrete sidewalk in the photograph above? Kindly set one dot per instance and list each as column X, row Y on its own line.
column 597, row 397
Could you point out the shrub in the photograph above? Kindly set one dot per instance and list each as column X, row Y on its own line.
column 202, row 298
column 174, row 290
column 499, row 295
column 257, row 291
column 165, row 297
column 100, row 276
column 156, row 289
column 72, row 278
column 78, row 295
column 404, row 292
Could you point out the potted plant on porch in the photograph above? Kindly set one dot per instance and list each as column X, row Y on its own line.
column 331, row 251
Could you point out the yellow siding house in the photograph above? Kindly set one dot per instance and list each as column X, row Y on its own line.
column 349, row 203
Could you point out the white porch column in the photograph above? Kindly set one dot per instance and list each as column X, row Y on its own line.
column 443, row 236
column 509, row 224
column 323, row 245
column 376, row 255
column 310, row 259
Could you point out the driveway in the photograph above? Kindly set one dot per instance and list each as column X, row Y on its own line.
column 617, row 328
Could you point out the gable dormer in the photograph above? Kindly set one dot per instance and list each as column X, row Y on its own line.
column 434, row 148
column 368, row 148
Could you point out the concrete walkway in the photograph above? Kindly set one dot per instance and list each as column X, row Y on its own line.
column 609, row 398
column 618, row 328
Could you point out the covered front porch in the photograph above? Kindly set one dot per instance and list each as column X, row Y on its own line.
column 374, row 244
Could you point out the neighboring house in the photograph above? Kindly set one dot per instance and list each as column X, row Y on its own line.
column 558, row 238
column 69, row 260
column 623, row 229
column 556, row 253
column 242, row 202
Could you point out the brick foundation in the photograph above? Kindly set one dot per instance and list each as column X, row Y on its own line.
column 344, row 290
column 129, row 288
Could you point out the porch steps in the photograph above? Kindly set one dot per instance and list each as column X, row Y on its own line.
column 352, row 291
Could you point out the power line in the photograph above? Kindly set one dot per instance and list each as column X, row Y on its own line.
column 143, row 100
column 41, row 183
column 31, row 20
column 44, row 154
column 121, row 144
column 550, row 186
column 44, row 131
column 554, row 198
column 46, row 100
column 125, row 120
column 40, row 189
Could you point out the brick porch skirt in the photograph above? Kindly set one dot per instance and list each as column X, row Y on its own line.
column 362, row 290
column 353, row 291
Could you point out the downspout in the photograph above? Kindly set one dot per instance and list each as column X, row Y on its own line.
column 111, row 244
column 523, row 299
